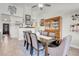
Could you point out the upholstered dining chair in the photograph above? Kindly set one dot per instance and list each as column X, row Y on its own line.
column 35, row 44
column 25, row 40
column 29, row 42
column 25, row 37
column 52, row 34
column 62, row 49
column 44, row 33
column 40, row 32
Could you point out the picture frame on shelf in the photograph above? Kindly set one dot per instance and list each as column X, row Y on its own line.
column 42, row 22
column 27, row 19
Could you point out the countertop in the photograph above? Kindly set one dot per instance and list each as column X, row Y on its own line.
column 26, row 27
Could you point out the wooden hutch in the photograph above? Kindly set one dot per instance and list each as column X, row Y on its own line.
column 54, row 25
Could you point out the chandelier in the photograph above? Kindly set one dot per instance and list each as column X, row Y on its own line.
column 12, row 9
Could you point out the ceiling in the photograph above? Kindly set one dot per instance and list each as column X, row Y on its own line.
column 66, row 8
column 62, row 7
column 59, row 6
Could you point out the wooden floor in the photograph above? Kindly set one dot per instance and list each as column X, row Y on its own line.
column 73, row 52
column 14, row 47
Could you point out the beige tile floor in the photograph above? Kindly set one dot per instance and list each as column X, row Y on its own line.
column 14, row 47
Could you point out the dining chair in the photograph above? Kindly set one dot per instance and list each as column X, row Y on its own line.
column 25, row 37
column 44, row 33
column 35, row 44
column 52, row 34
column 25, row 40
column 29, row 42
column 40, row 31
column 62, row 49
column 28, row 39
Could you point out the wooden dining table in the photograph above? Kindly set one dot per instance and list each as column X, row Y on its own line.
column 46, row 40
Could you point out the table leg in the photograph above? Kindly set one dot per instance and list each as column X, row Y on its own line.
column 46, row 49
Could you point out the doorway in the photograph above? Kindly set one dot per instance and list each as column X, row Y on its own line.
column 6, row 29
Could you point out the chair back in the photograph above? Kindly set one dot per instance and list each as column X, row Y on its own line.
column 64, row 46
column 24, row 35
column 28, row 37
column 44, row 33
column 67, row 41
column 40, row 31
column 51, row 34
column 62, row 49
column 34, row 40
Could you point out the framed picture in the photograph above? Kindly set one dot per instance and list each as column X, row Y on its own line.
column 27, row 19
column 42, row 22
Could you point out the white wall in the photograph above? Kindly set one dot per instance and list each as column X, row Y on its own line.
column 14, row 29
column 4, row 14
column 4, row 9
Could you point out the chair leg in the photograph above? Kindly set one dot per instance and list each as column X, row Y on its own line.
column 27, row 45
column 48, row 54
column 31, row 50
column 37, row 53
column 24, row 43
column 66, row 55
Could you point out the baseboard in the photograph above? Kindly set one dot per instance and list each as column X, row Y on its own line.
column 74, row 46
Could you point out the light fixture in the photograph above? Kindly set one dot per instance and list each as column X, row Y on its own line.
column 40, row 5
column 12, row 9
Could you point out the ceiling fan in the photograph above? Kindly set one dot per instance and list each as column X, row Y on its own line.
column 41, row 5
